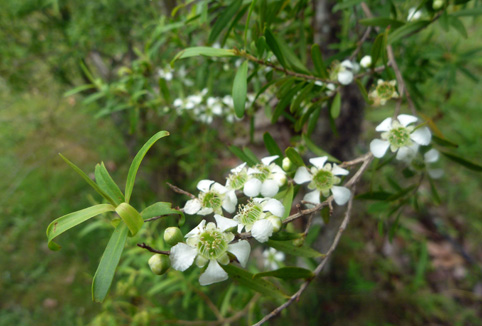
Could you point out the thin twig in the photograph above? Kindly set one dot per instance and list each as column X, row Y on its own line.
column 149, row 248
column 360, row 43
column 317, row 270
column 180, row 191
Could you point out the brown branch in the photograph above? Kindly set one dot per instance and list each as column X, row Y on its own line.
column 316, row 272
column 360, row 43
column 149, row 248
column 180, row 191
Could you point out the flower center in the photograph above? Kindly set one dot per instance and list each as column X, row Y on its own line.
column 399, row 137
column 238, row 180
column 323, row 180
column 211, row 200
column 385, row 90
column 250, row 214
column 212, row 244
column 264, row 172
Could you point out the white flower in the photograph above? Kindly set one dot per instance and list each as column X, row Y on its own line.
column 210, row 244
column 237, row 178
column 345, row 71
column 384, row 91
column 323, row 178
column 414, row 14
column 272, row 257
column 211, row 198
column 261, row 217
column 418, row 163
column 165, row 73
column 366, row 61
column 399, row 136
column 265, row 178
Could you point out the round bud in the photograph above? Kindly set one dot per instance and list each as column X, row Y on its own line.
column 366, row 61
column 276, row 221
column 173, row 235
column 287, row 165
column 437, row 4
column 299, row 242
column 159, row 264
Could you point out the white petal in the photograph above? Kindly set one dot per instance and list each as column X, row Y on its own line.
column 276, row 169
column 339, row 171
column 213, row 274
column 341, row 194
column 262, row 230
column 406, row 153
column 230, row 202
column 319, row 162
column 302, row 175
column 269, row 159
column 269, row 188
column 204, row 185
column 431, row 156
column 205, row 211
column 197, row 230
column 379, row 147
column 241, row 250
column 224, row 223
column 386, row 125
column 275, row 207
column 253, row 171
column 345, row 77
column 406, row 119
column 192, row 206
column 219, row 188
column 313, row 197
column 347, row 64
column 421, row 136
column 182, row 256
column 435, row 173
column 238, row 168
column 366, row 61
column 252, row 187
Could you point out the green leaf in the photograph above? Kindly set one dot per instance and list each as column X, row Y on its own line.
column 284, row 102
column 242, row 156
column 336, row 106
column 131, row 176
column 318, row 62
column 275, row 48
column 66, row 222
column 291, row 249
column 377, row 49
column 459, row 26
column 160, row 209
column 444, row 142
column 382, row 22
column 108, row 263
column 375, row 195
column 78, row 89
column 294, row 156
column 223, row 20
column 131, row 217
column 288, row 273
column 249, row 153
column 288, row 201
column 363, row 90
column 107, row 184
column 166, row 94
column 245, row 278
column 240, row 88
column 468, row 12
column 318, row 151
column 407, row 29
column 285, row 236
column 468, row 164
column 303, row 95
column 88, row 180
column 204, row 51
column 271, row 145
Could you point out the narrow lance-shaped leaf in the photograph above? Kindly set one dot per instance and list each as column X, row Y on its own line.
column 271, row 145
column 87, row 179
column 108, row 263
column 247, row 279
column 318, row 62
column 288, row 273
column 294, row 156
column 286, row 197
column 240, row 88
column 468, row 164
column 293, row 250
column 131, row 217
column 107, row 184
column 275, row 48
column 336, row 106
column 66, row 222
column 242, row 155
column 204, row 51
column 223, row 19
column 131, row 176
column 160, row 209
column 406, row 29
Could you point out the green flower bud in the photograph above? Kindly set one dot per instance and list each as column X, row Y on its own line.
column 276, row 221
column 172, row 236
column 299, row 242
column 437, row 4
column 287, row 165
column 159, row 264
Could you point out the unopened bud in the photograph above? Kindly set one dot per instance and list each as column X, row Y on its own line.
column 299, row 242
column 159, row 264
column 366, row 61
column 437, row 4
column 173, row 235
column 276, row 221
column 287, row 165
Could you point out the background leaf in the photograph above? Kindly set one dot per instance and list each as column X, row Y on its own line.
column 287, row 273
column 291, row 249
column 107, row 184
column 240, row 88
column 131, row 217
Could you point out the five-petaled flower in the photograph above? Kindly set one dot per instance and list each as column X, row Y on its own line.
column 210, row 244
column 261, row 217
column 211, row 198
column 265, row 178
column 399, row 137
column 323, row 178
